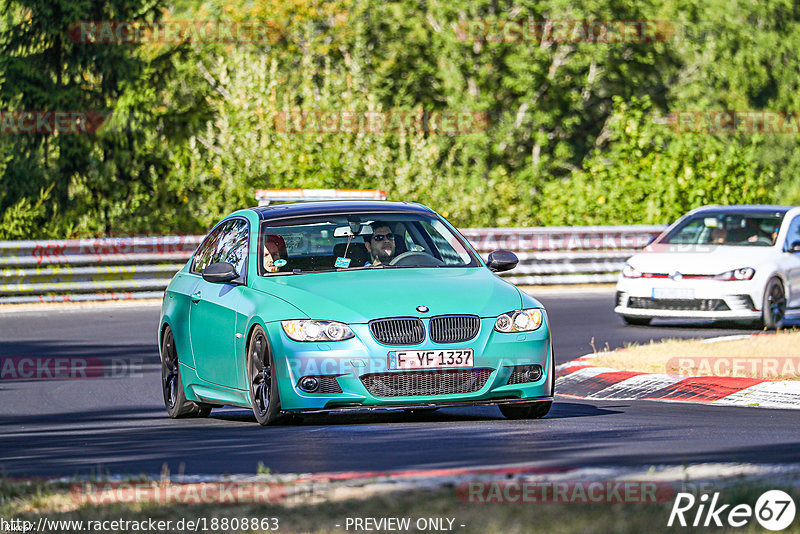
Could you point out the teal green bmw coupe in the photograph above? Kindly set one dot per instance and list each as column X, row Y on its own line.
column 349, row 305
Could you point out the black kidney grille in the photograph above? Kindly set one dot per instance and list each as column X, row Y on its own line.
column 454, row 328
column 414, row 383
column 398, row 331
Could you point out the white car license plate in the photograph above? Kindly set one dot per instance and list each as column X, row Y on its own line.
column 430, row 359
column 672, row 293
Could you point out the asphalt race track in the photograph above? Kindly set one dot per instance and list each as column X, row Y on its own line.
column 118, row 425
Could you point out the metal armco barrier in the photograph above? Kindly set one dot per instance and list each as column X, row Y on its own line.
column 141, row 267
column 564, row 254
column 91, row 269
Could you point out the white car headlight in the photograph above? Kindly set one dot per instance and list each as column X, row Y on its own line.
column 519, row 321
column 746, row 273
column 629, row 271
column 313, row 330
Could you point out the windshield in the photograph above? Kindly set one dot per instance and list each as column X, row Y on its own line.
column 734, row 229
column 359, row 241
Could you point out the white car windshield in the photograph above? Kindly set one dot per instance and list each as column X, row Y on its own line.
column 725, row 228
column 359, row 241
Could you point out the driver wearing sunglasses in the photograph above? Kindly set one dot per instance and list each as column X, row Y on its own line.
column 380, row 244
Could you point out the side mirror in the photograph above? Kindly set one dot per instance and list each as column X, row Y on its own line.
column 220, row 273
column 795, row 247
column 502, row 260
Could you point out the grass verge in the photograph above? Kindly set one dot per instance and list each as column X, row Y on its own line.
column 31, row 500
column 771, row 357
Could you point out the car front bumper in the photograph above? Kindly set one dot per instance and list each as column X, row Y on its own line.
column 701, row 299
column 420, row 406
column 349, row 362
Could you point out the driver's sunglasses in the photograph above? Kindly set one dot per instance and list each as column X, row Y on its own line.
column 381, row 237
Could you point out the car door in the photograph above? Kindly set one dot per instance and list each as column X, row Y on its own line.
column 792, row 263
column 213, row 309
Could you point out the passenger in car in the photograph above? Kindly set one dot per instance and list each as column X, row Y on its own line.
column 718, row 235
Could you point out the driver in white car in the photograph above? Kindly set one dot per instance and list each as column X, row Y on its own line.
column 380, row 244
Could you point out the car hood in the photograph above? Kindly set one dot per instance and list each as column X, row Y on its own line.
column 710, row 260
column 360, row 296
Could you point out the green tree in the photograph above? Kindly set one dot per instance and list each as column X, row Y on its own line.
column 651, row 174
column 98, row 181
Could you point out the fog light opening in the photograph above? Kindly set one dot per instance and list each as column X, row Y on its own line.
column 309, row 384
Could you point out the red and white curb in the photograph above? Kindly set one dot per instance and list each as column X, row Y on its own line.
column 579, row 378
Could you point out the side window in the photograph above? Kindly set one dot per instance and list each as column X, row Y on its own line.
column 450, row 250
column 794, row 232
column 232, row 246
column 205, row 251
column 694, row 232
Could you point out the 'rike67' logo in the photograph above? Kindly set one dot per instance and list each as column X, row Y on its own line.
column 774, row 510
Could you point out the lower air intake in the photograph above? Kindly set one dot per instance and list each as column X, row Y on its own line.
column 417, row 383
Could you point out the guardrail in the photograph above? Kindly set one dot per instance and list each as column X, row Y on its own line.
column 564, row 254
column 141, row 267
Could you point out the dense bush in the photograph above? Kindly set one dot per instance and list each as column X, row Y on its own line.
column 576, row 133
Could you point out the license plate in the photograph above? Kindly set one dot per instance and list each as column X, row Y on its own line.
column 430, row 359
column 672, row 293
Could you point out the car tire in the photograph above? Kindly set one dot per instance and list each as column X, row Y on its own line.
column 262, row 379
column 773, row 308
column 533, row 410
column 637, row 321
column 178, row 406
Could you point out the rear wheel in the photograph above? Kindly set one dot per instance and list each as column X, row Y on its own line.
column 637, row 321
column 172, row 384
column 263, row 379
column 773, row 314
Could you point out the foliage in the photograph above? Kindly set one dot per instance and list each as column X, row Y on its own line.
column 25, row 218
column 650, row 174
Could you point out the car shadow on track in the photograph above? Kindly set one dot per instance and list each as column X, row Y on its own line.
column 569, row 410
column 700, row 325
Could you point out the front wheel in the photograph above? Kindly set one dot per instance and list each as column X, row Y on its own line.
column 172, row 384
column 773, row 314
column 533, row 410
column 637, row 321
column 263, row 379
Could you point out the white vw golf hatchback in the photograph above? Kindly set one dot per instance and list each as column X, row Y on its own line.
column 717, row 262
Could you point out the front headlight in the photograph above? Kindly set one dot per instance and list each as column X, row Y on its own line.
column 519, row 321
column 313, row 330
column 746, row 273
column 629, row 271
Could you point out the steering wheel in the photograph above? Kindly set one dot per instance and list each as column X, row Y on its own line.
column 413, row 257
